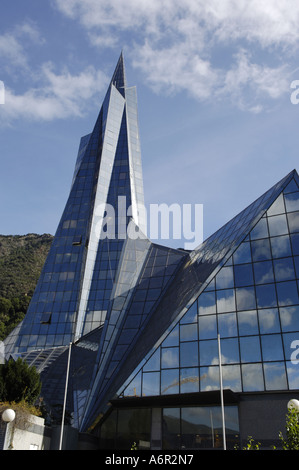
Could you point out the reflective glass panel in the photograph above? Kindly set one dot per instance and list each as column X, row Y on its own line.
column 293, row 220
column 295, row 244
column 250, row 349
column 243, row 275
column 225, row 300
column 150, row 383
column 229, row 351
column 291, row 347
column 252, row 375
column 188, row 332
column 272, row 347
column 287, row 293
column 206, row 303
column 189, row 380
column 227, row 325
column 289, row 317
column 261, row 250
column 191, row 315
column 281, row 246
column 293, row 376
column 209, row 378
column 277, row 206
column 189, row 354
column 242, row 254
column 171, row 428
column 263, row 272
column 292, row 201
column 232, row 378
column 269, row 320
column 154, row 362
column 173, row 337
column 260, row 230
column 247, row 322
column 207, row 327
column 278, row 225
column 225, row 278
column 169, row 381
column 266, row 296
column 284, row 269
column 275, row 376
column 169, row 357
column 245, row 298
column 208, row 352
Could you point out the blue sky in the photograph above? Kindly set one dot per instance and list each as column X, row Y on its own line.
column 213, row 79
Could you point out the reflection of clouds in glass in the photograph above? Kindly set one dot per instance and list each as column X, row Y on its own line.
column 292, row 202
column 225, row 301
column 170, row 357
column 245, row 298
column 275, row 376
column 287, row 315
column 267, row 319
column 280, row 246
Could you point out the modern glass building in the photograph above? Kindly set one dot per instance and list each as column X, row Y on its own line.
column 144, row 321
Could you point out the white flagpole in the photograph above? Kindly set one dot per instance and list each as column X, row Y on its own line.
column 65, row 395
column 221, row 394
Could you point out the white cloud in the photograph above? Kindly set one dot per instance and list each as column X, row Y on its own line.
column 194, row 45
column 62, row 95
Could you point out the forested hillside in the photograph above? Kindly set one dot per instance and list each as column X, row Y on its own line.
column 21, row 260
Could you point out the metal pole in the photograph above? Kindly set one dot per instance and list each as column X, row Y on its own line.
column 221, row 394
column 65, row 395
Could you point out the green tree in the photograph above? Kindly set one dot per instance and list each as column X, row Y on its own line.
column 291, row 441
column 19, row 381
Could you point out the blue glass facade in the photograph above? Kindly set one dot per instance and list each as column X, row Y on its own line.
column 144, row 319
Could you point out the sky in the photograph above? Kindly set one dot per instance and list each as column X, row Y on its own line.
column 217, row 102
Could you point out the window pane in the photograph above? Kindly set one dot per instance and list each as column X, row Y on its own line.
column 293, row 220
column 247, row 322
column 229, row 351
column 277, row 206
column 278, row 225
column 227, row 324
column 169, row 358
column 209, row 378
column 206, row 303
column 287, row 293
column 242, row 254
column 295, row 244
column 272, row 347
column 292, row 202
column 261, row 250
column 269, row 321
column 263, row 272
column 293, row 376
column 150, row 383
column 207, row 327
column 225, row 300
column 289, row 317
column 266, row 296
column 225, row 278
column 252, row 375
column 281, row 246
column 243, row 275
column 171, row 428
column 284, row 269
column 250, row 349
column 189, row 380
column 189, row 354
column 208, row 352
column 188, row 332
column 191, row 315
column 169, row 381
column 260, row 230
column 275, row 376
column 173, row 337
column 232, row 378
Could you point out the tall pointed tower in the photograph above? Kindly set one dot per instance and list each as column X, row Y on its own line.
column 72, row 295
